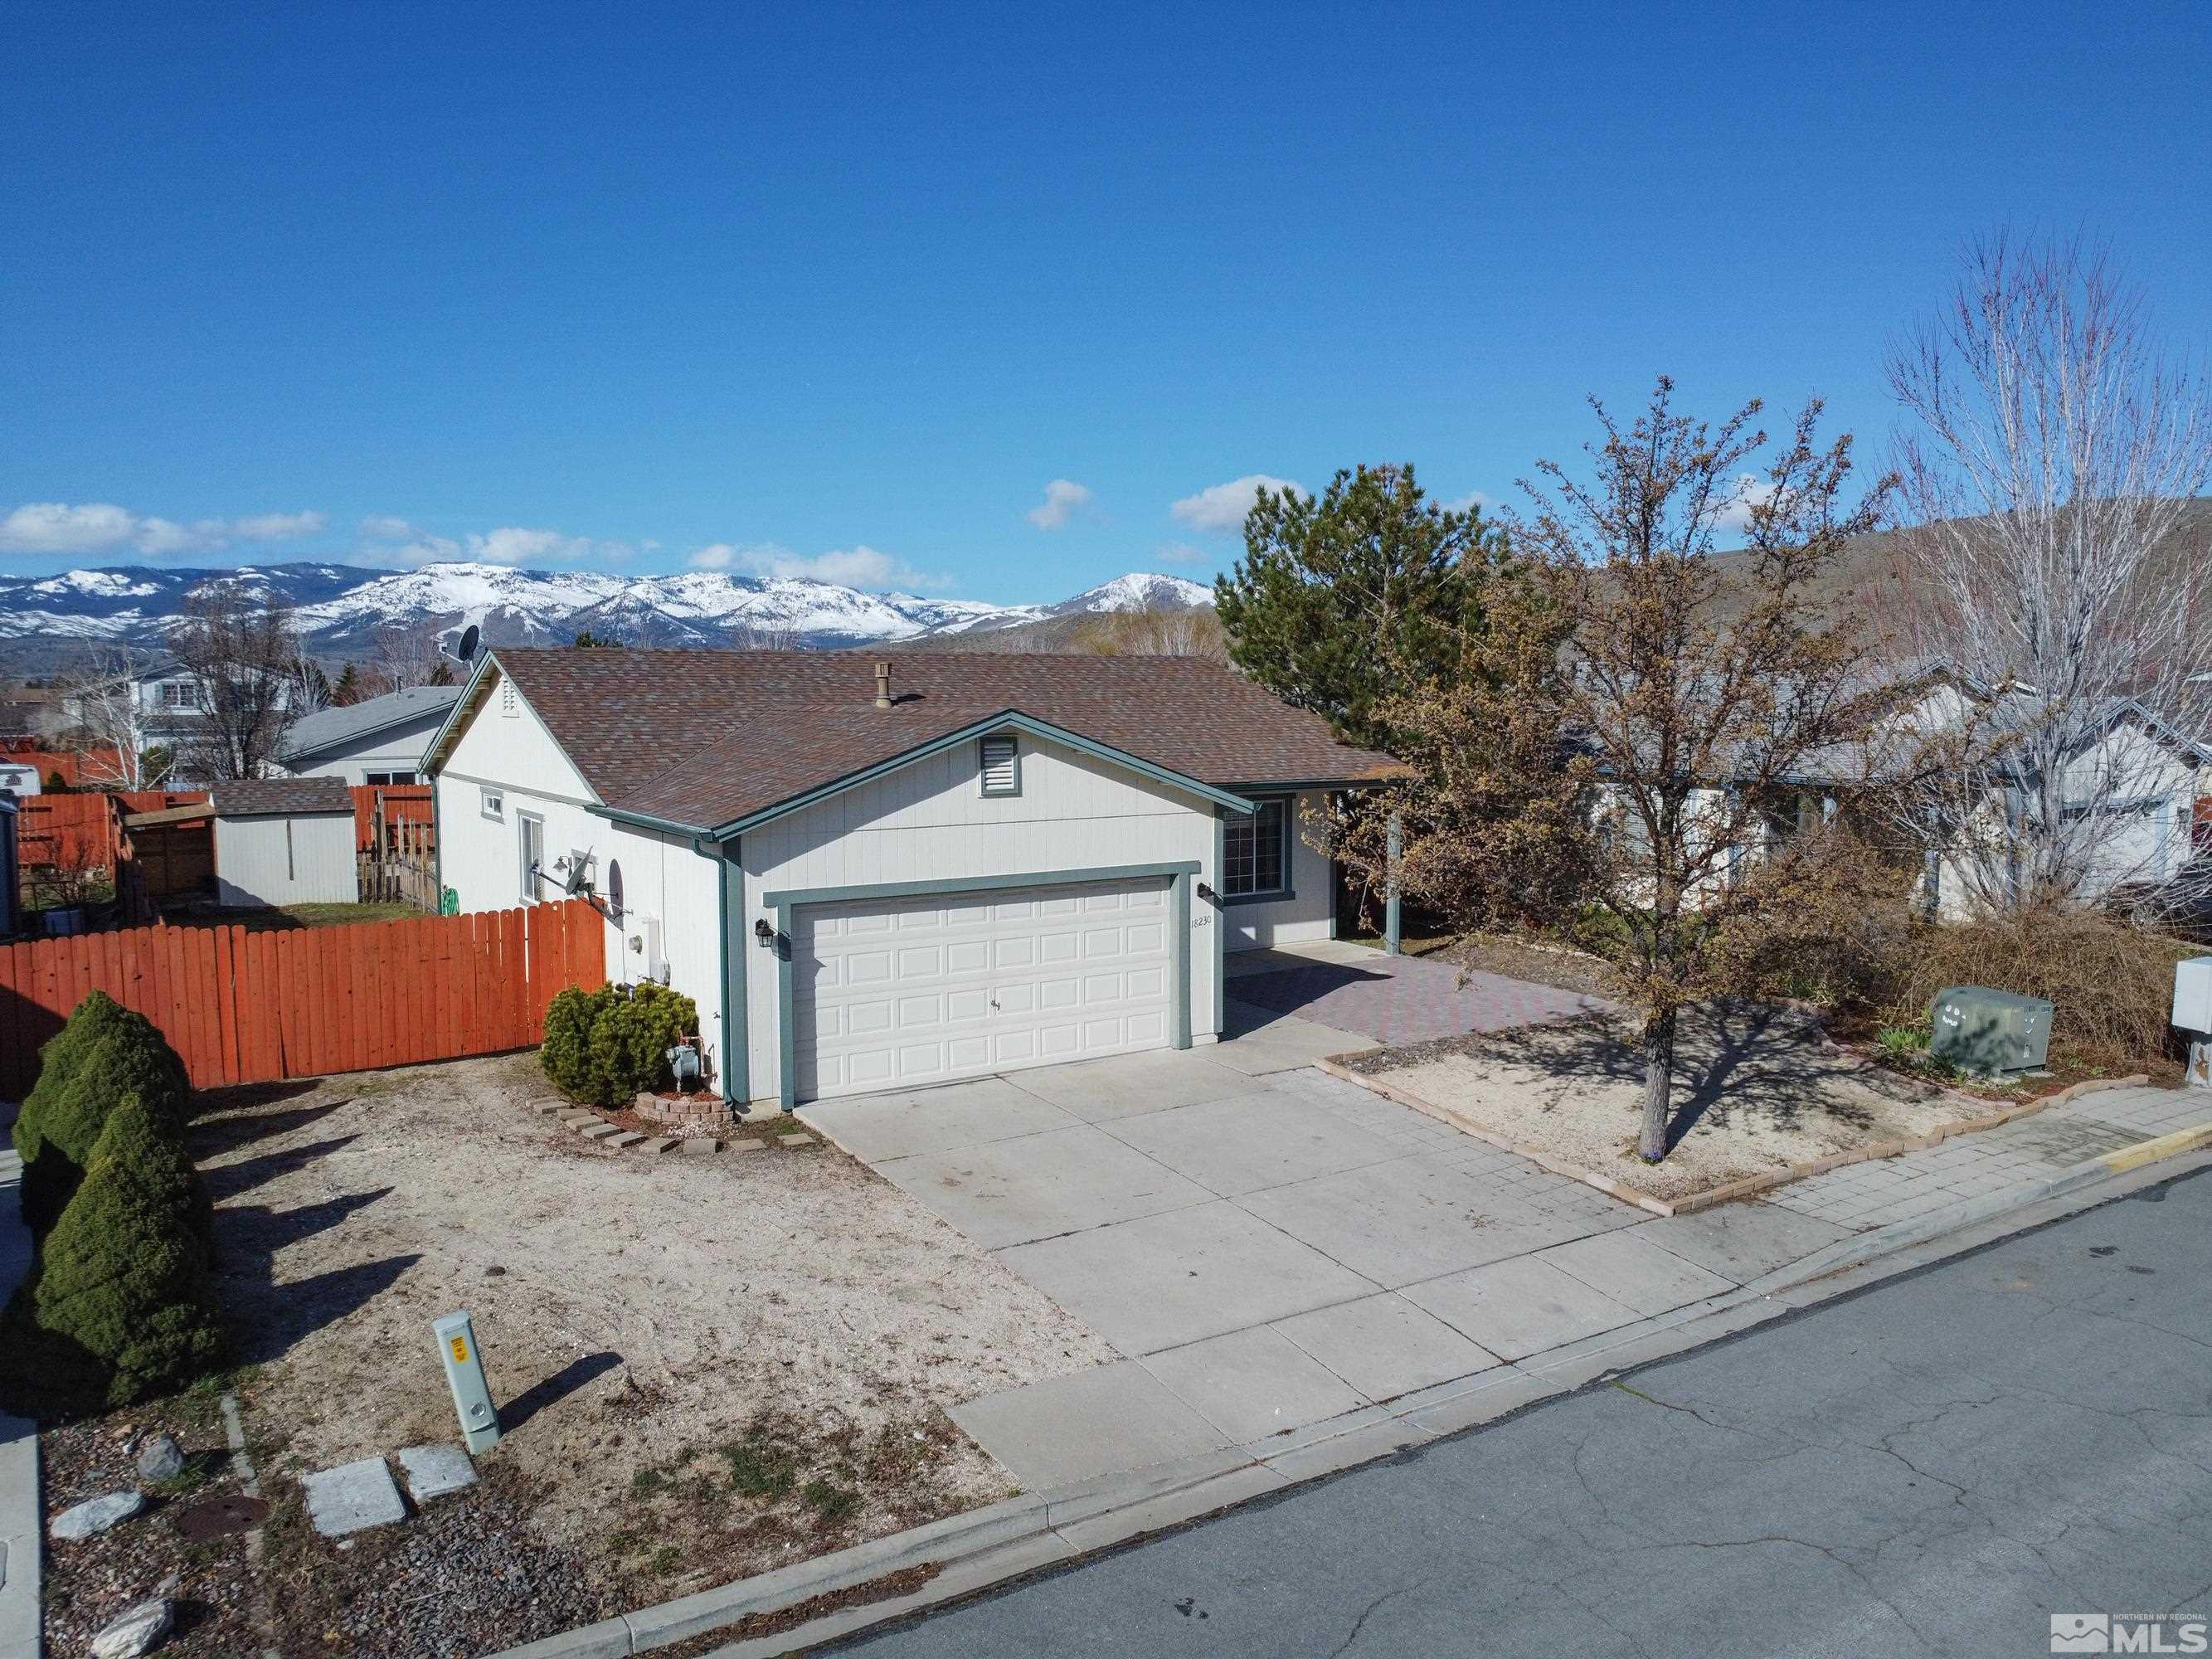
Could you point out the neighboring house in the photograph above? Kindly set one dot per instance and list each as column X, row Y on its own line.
column 379, row 740
column 11, row 868
column 995, row 861
column 284, row 840
column 20, row 774
column 164, row 705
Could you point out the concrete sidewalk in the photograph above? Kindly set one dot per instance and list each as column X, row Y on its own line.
column 20, row 1542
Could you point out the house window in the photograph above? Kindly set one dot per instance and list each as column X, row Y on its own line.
column 493, row 803
column 1257, row 851
column 375, row 779
column 1001, row 765
column 530, row 843
column 180, row 694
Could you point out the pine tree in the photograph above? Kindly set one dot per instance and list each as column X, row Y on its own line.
column 348, row 691
column 1347, row 600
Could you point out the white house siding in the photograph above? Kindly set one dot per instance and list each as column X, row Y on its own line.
column 309, row 859
column 928, row 822
column 1308, row 913
column 397, row 749
column 664, row 879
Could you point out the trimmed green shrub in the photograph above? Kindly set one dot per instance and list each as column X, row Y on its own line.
column 631, row 1037
column 116, row 1052
column 566, row 1053
column 120, row 1307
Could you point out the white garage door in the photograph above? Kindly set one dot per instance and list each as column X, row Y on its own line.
column 894, row 993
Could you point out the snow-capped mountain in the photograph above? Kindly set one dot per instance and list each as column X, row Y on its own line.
column 340, row 608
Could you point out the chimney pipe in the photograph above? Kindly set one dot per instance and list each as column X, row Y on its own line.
column 882, row 686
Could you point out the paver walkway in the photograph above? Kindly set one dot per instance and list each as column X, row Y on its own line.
column 1400, row 1000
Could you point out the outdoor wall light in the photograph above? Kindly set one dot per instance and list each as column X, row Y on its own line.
column 1205, row 892
column 763, row 932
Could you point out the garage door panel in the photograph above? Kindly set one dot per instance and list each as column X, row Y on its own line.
column 928, row 989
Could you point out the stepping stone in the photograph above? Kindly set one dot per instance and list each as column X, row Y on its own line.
column 627, row 1138
column 662, row 1144
column 434, row 1471
column 596, row 1131
column 95, row 1514
column 794, row 1140
column 549, row 1109
column 748, row 1145
column 352, row 1497
column 699, row 1146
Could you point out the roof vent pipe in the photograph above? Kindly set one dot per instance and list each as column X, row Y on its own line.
column 882, row 686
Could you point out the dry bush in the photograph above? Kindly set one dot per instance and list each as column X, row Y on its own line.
column 2110, row 985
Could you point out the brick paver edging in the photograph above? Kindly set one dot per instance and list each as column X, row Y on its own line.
column 1750, row 1186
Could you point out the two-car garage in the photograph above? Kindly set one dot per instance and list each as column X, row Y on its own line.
column 894, row 992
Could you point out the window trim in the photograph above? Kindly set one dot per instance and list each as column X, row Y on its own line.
column 491, row 802
column 983, row 765
column 526, row 878
column 1286, row 889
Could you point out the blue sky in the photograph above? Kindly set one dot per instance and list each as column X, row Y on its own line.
column 845, row 289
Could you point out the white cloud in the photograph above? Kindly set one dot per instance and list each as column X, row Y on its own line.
column 1467, row 503
column 1063, row 499
column 1183, row 553
column 52, row 527
column 388, row 527
column 1751, row 491
column 865, row 568
column 390, row 539
column 1223, row 505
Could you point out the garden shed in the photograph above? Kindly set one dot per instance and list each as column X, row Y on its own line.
column 284, row 840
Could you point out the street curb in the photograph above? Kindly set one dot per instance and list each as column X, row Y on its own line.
column 1021, row 1536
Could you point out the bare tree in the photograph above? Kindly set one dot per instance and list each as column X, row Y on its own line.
column 244, row 655
column 2050, row 472
column 1627, row 752
column 116, row 752
column 409, row 657
column 755, row 634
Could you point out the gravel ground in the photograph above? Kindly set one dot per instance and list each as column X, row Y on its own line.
column 707, row 1366
column 1754, row 1092
column 1556, row 966
column 89, row 1582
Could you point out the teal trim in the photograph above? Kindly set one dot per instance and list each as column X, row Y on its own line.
column 645, row 821
column 1179, row 1000
column 737, row 1038
column 1220, row 924
column 790, row 898
column 1007, row 719
column 1274, row 896
column 1180, row 874
column 787, row 1044
column 454, row 714
column 1390, row 916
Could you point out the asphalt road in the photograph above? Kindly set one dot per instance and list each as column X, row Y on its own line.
column 1935, row 1466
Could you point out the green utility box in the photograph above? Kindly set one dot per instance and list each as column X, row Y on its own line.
column 1978, row 1029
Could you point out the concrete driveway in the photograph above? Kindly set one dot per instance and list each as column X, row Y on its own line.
column 1267, row 1246
column 1394, row 999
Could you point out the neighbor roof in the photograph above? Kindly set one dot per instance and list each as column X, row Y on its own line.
column 327, row 729
column 706, row 738
column 280, row 797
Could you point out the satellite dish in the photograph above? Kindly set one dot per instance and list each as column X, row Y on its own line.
column 467, row 650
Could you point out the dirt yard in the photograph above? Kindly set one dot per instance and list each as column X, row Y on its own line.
column 707, row 1366
column 1754, row 1092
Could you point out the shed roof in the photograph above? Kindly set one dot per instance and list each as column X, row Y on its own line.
column 262, row 798
column 709, row 737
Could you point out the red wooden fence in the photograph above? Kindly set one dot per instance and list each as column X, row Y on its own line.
column 253, row 1007
column 404, row 803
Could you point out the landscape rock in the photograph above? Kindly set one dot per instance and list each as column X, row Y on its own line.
column 162, row 1458
column 135, row 1631
column 96, row 1515
column 701, row 1145
column 795, row 1140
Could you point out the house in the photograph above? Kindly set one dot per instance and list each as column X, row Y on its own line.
column 379, row 740
column 283, row 841
column 163, row 705
column 950, row 865
column 11, row 869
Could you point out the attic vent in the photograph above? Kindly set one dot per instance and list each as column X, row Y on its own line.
column 1002, row 774
column 507, row 701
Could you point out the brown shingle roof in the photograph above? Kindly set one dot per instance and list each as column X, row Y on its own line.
column 281, row 796
column 706, row 737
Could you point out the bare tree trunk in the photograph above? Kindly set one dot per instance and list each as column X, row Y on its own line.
column 1658, row 1084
